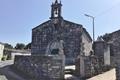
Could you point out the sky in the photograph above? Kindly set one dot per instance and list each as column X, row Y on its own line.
column 18, row 17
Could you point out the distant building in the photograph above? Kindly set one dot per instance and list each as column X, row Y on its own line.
column 13, row 54
column 73, row 35
column 10, row 53
column 1, row 50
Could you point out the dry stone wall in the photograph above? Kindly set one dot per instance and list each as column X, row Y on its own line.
column 114, row 40
column 40, row 67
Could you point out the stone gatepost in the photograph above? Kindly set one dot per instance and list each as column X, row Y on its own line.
column 79, row 66
column 43, row 67
column 102, row 50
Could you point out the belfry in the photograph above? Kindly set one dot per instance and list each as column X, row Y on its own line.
column 56, row 9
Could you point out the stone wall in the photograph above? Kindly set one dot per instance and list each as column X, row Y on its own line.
column 102, row 50
column 41, row 67
column 45, row 34
column 112, row 36
column 87, row 44
column 114, row 40
column 117, row 61
column 118, row 71
column 71, row 34
column 86, row 66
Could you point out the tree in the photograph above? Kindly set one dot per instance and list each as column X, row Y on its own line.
column 7, row 51
column 8, row 46
column 107, row 37
column 28, row 46
column 20, row 46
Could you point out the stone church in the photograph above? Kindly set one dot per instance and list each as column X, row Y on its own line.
column 75, row 39
column 58, row 42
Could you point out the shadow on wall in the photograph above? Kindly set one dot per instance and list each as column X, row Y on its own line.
column 7, row 74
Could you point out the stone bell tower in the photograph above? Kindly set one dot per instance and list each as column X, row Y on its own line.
column 56, row 9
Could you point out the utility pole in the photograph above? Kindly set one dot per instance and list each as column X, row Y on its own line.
column 93, row 20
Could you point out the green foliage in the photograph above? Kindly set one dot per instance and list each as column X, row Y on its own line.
column 9, row 46
column 20, row 46
column 28, row 46
column 4, row 58
column 106, row 37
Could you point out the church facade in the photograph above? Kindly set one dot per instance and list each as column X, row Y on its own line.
column 75, row 39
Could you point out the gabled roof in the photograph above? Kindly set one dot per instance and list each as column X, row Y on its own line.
column 81, row 27
column 49, row 21
column 87, row 34
column 41, row 24
column 73, row 23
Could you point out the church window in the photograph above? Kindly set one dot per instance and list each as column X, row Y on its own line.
column 55, row 51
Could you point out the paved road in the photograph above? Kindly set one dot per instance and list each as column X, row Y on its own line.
column 6, row 63
column 6, row 73
column 109, row 75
